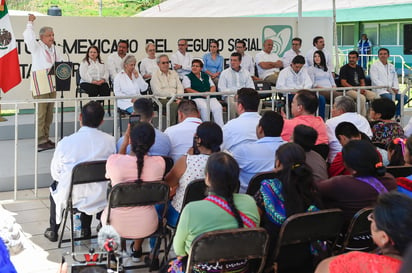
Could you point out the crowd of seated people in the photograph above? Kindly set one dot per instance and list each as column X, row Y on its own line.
column 340, row 163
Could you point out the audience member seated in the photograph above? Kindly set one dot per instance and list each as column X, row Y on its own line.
column 181, row 59
column 149, row 65
column 115, row 60
column 94, row 75
column 293, row 192
column 405, row 183
column 344, row 132
column 128, row 83
column 199, row 82
column 88, row 144
column 162, row 146
column 390, row 227
column 166, row 83
column 234, row 78
column 396, row 152
column 305, row 137
column 304, row 105
column 243, row 128
column 191, row 166
column 321, row 76
column 136, row 222
column 292, row 52
column 383, row 73
column 384, row 129
column 344, row 109
column 181, row 135
column 297, row 77
column 247, row 61
column 351, row 74
column 319, row 45
column 368, row 179
column 259, row 156
column 268, row 63
column 213, row 62
column 222, row 209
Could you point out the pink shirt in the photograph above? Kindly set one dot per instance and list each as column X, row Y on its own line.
column 134, row 222
column 316, row 123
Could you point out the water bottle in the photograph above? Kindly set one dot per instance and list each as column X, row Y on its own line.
column 77, row 226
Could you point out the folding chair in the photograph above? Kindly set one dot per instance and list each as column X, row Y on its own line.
column 141, row 194
column 254, row 184
column 399, row 171
column 230, row 245
column 82, row 173
column 358, row 227
column 292, row 250
column 195, row 191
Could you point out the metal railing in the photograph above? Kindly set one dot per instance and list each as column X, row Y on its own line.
column 274, row 95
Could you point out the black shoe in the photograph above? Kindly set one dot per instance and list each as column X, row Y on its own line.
column 86, row 233
column 45, row 146
column 51, row 235
column 136, row 255
column 152, row 265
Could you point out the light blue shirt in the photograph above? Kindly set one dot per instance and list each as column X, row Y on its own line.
column 256, row 157
column 160, row 147
column 211, row 65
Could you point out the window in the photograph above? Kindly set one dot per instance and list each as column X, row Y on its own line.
column 348, row 33
column 371, row 30
column 388, row 33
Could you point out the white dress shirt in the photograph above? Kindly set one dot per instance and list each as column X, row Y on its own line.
column 114, row 65
column 148, row 66
column 240, row 130
column 232, row 80
column 383, row 75
column 93, row 71
column 248, row 64
column 184, row 60
column 42, row 56
column 181, row 136
column 265, row 57
column 289, row 79
column 255, row 157
column 124, row 86
column 358, row 120
column 88, row 144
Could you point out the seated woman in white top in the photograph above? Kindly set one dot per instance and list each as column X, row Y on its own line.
column 93, row 74
column 128, row 83
column 321, row 76
column 149, row 65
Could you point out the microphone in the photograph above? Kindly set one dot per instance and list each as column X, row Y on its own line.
column 67, row 55
column 108, row 238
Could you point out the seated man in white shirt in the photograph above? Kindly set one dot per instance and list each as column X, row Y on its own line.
column 166, row 83
column 181, row 59
column 243, row 128
column 234, row 78
column 344, row 109
column 247, row 61
column 181, row 135
column 115, row 60
column 88, row 144
column 268, row 63
column 162, row 146
column 383, row 73
column 259, row 156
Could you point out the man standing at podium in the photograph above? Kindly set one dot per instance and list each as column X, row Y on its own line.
column 44, row 55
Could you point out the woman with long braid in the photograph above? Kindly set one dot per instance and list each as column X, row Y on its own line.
column 135, row 222
column 222, row 209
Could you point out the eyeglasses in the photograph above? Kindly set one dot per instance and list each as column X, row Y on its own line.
column 164, row 62
column 295, row 44
column 181, row 44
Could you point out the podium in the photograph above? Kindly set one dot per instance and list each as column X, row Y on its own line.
column 63, row 76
